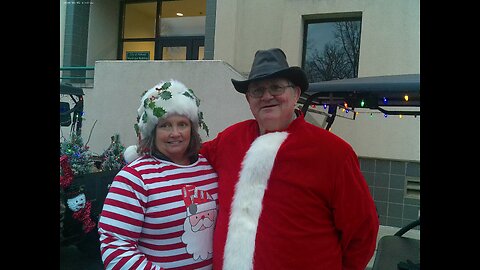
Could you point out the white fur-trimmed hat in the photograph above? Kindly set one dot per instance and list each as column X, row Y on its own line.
column 162, row 100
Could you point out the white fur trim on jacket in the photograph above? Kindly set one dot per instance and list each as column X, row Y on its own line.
column 247, row 201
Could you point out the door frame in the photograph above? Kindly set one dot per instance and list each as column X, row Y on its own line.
column 193, row 43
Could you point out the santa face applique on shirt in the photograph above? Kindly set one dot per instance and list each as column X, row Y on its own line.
column 198, row 226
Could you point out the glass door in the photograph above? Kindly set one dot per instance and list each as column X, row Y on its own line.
column 139, row 31
column 177, row 34
column 181, row 48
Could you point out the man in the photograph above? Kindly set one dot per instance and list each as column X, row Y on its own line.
column 291, row 195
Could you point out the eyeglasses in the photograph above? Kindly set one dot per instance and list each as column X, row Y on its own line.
column 274, row 90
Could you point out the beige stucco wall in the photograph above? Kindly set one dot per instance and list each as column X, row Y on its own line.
column 110, row 107
column 376, row 136
column 115, row 97
column 390, row 41
column 390, row 44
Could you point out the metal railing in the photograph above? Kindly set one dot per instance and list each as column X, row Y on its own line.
column 84, row 77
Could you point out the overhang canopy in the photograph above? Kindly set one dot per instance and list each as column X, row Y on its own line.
column 376, row 92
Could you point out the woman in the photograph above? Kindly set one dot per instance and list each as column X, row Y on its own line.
column 161, row 208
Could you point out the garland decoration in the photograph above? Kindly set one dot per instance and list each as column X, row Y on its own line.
column 83, row 215
column 67, row 177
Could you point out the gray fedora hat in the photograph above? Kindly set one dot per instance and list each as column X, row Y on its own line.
column 272, row 63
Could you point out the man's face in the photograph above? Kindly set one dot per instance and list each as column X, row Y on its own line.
column 273, row 112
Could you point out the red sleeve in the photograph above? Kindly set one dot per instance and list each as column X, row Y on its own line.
column 355, row 215
column 120, row 222
column 208, row 150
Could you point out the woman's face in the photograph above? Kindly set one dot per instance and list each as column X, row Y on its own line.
column 173, row 137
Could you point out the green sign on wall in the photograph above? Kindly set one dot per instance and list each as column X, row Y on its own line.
column 138, row 55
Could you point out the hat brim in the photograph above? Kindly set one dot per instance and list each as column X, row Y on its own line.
column 294, row 74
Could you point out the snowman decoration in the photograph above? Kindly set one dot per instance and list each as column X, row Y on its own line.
column 77, row 203
column 76, row 199
column 81, row 208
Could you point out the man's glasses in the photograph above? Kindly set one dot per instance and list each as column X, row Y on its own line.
column 274, row 90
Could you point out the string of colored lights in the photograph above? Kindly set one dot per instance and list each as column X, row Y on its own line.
column 346, row 109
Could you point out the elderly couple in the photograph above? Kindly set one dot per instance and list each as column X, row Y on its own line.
column 274, row 192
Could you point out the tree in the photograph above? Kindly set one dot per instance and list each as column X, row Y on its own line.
column 339, row 58
column 78, row 154
column 330, row 65
column 113, row 156
column 348, row 35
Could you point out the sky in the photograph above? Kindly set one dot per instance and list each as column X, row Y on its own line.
column 319, row 34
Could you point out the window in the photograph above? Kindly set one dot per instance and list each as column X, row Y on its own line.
column 163, row 30
column 331, row 47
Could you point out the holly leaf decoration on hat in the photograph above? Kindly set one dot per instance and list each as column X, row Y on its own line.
column 163, row 99
column 159, row 112
column 188, row 95
column 204, row 126
column 137, row 129
column 165, row 95
column 202, row 123
column 144, row 118
column 151, row 103
column 197, row 100
column 166, row 85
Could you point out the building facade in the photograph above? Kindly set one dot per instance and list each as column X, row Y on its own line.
column 131, row 45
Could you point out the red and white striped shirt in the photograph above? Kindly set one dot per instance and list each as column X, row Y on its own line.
column 146, row 221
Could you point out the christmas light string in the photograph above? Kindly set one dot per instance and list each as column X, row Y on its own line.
column 347, row 111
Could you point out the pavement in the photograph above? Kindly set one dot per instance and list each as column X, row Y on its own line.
column 86, row 256
column 71, row 258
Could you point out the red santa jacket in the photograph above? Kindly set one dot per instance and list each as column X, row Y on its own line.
column 294, row 199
